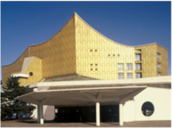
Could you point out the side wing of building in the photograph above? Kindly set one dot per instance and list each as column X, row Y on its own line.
column 153, row 60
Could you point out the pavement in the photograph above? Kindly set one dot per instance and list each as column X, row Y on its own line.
column 33, row 123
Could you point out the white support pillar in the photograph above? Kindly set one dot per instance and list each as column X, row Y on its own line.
column 38, row 113
column 121, row 114
column 97, row 114
column 41, row 114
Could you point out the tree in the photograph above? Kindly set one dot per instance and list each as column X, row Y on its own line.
column 8, row 104
column 6, row 109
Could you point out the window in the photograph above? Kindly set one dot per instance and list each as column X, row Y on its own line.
column 138, row 57
column 158, row 56
column 129, row 75
column 138, row 75
column 138, row 50
column 120, row 66
column 138, row 67
column 120, row 75
column 129, row 66
column 158, row 74
column 31, row 73
column 147, row 109
column 158, row 66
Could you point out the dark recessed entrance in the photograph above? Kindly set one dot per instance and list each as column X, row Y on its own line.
column 108, row 113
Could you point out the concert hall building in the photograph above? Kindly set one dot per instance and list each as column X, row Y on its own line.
column 79, row 75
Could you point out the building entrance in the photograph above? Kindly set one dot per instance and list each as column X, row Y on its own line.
column 108, row 113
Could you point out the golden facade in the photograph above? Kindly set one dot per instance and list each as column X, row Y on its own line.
column 78, row 48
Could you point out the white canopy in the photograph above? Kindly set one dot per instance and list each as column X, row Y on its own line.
column 81, row 96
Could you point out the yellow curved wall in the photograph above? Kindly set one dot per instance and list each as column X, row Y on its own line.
column 78, row 48
column 107, row 66
column 57, row 54
column 14, row 67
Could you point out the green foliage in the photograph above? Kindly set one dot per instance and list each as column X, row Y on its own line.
column 8, row 103
column 12, row 88
column 6, row 109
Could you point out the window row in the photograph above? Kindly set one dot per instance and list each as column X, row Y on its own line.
column 121, row 66
column 113, row 55
column 129, row 75
column 138, row 57
column 93, row 50
column 129, row 66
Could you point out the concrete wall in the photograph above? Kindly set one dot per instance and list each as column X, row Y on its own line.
column 159, row 97
column 48, row 112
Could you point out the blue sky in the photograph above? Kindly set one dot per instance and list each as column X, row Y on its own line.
column 129, row 23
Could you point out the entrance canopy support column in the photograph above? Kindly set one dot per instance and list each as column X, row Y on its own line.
column 38, row 114
column 121, row 113
column 41, row 113
column 97, row 114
